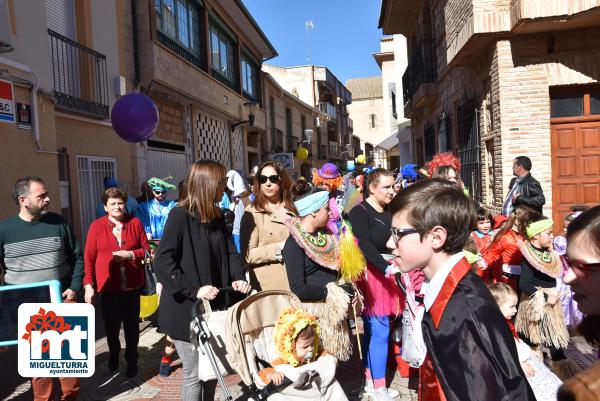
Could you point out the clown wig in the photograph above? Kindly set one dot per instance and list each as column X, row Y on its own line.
column 333, row 183
column 443, row 159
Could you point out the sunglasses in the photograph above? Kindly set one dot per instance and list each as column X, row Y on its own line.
column 399, row 233
column 581, row 269
column 159, row 192
column 273, row 178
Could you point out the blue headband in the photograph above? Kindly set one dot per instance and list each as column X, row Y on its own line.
column 311, row 203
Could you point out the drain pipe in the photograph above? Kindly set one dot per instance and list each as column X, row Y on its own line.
column 34, row 100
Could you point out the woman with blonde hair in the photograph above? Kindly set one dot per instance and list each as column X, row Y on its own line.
column 263, row 232
column 197, row 259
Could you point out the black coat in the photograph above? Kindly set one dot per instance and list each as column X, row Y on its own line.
column 531, row 193
column 191, row 255
column 473, row 351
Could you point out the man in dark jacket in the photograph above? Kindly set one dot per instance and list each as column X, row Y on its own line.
column 524, row 190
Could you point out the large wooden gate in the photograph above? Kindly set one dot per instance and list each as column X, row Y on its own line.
column 575, row 167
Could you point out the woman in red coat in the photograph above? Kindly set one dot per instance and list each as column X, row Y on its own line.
column 114, row 251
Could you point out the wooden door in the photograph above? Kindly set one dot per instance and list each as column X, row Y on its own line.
column 575, row 168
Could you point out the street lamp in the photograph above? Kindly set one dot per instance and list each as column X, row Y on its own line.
column 250, row 107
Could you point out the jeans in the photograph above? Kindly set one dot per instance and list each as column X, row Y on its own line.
column 192, row 388
column 122, row 307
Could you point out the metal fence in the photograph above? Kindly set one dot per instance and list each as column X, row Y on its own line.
column 469, row 147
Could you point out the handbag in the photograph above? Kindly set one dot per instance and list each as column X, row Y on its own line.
column 414, row 350
column 213, row 324
column 149, row 276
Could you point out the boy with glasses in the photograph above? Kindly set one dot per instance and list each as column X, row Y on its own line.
column 470, row 352
column 154, row 212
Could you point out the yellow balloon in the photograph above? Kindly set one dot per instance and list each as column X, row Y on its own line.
column 361, row 159
column 148, row 305
column 302, row 154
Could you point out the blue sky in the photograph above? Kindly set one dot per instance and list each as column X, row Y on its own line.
column 344, row 37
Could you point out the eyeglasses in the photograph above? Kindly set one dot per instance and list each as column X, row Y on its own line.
column 273, row 178
column 159, row 192
column 581, row 269
column 399, row 233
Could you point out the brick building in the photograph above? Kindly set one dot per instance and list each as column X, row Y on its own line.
column 492, row 80
column 318, row 87
column 61, row 68
column 289, row 122
column 367, row 113
column 200, row 61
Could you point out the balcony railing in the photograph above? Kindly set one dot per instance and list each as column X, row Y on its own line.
column 323, row 152
column 333, row 149
column 79, row 74
column 420, row 70
column 328, row 109
column 292, row 143
column 276, row 140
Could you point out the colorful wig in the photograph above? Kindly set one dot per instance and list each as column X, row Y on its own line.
column 333, row 179
column 443, row 159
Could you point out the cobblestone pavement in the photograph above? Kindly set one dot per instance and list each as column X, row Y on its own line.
column 150, row 386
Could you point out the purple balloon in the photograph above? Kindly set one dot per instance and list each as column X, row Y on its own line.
column 134, row 117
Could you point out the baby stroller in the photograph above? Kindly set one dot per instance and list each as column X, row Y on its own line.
column 246, row 343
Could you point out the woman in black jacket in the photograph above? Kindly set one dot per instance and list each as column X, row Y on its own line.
column 197, row 259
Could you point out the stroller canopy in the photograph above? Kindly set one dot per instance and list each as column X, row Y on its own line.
column 248, row 319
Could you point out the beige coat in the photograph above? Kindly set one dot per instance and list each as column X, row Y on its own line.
column 261, row 234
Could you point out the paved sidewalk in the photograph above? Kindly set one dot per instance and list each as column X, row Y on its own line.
column 150, row 386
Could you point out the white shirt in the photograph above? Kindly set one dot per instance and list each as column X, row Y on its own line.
column 434, row 286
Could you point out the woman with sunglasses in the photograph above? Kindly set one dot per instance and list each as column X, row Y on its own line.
column 197, row 259
column 262, row 230
column 583, row 275
column 371, row 224
column 153, row 212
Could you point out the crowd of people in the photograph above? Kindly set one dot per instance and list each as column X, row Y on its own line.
column 478, row 297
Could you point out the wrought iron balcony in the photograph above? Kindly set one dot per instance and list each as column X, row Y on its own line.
column 79, row 74
column 328, row 109
column 276, row 140
column 333, row 149
column 420, row 70
column 292, row 143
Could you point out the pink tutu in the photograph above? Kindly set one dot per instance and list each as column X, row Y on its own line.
column 382, row 297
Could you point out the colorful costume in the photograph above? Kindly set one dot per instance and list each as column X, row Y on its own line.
column 572, row 315
column 537, row 320
column 153, row 213
column 328, row 175
column 482, row 241
column 503, row 257
column 312, row 378
column 312, row 267
column 484, row 351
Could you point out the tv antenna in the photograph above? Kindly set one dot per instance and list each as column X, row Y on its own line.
column 309, row 26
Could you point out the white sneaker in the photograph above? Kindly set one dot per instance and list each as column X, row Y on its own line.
column 370, row 390
column 382, row 394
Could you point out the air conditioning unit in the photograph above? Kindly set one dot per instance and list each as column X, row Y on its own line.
column 5, row 29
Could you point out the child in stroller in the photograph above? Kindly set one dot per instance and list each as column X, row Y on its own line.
column 254, row 334
column 300, row 359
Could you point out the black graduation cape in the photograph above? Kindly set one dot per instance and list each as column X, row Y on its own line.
column 470, row 345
